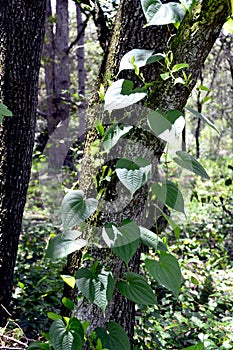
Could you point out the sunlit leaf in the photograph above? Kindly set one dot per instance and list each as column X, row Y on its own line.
column 115, row 99
column 70, row 280
column 123, row 240
column 76, row 209
column 157, row 13
column 139, row 58
column 64, row 244
column 131, row 175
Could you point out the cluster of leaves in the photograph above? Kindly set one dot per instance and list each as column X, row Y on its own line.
column 37, row 280
column 204, row 308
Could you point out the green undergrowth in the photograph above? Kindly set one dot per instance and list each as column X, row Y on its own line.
column 204, row 309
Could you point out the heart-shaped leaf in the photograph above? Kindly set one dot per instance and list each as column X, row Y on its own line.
column 63, row 337
column 114, row 338
column 70, row 280
column 151, row 239
column 169, row 194
column 120, row 96
column 139, row 58
column 166, row 271
column 96, row 287
column 157, row 13
column 4, row 111
column 135, row 288
column 75, row 209
column 64, row 244
column 131, row 175
column 123, row 240
column 167, row 127
column 188, row 162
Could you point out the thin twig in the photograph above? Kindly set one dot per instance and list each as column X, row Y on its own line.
column 13, row 339
column 79, row 34
column 8, row 313
column 7, row 348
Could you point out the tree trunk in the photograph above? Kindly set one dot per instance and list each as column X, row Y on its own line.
column 81, row 70
column 58, row 120
column 21, row 33
column 195, row 37
column 49, row 67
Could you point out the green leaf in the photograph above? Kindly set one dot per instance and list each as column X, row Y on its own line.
column 123, row 240
column 157, row 13
column 62, row 338
column 4, row 111
column 202, row 117
column 151, row 239
column 113, row 134
column 165, row 76
column 75, row 209
column 99, row 127
column 131, row 175
column 128, row 88
column 115, row 98
column 68, row 303
column 166, row 271
column 170, row 195
column 136, row 289
column 139, row 58
column 199, row 346
column 70, row 280
column 116, row 236
column 188, row 4
column 114, row 338
column 188, row 162
column 158, row 123
column 179, row 66
column 228, row 26
column 39, row 346
column 96, row 287
column 64, row 244
column 53, row 316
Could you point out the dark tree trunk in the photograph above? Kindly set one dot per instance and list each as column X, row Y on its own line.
column 191, row 45
column 21, row 33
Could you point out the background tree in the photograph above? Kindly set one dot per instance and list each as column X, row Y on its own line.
column 21, row 32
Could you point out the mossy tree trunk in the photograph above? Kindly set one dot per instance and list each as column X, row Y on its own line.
column 21, row 39
column 192, row 43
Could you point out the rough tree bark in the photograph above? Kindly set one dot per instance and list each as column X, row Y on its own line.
column 21, row 38
column 192, row 43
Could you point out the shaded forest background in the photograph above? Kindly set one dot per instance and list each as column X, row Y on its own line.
column 72, row 55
